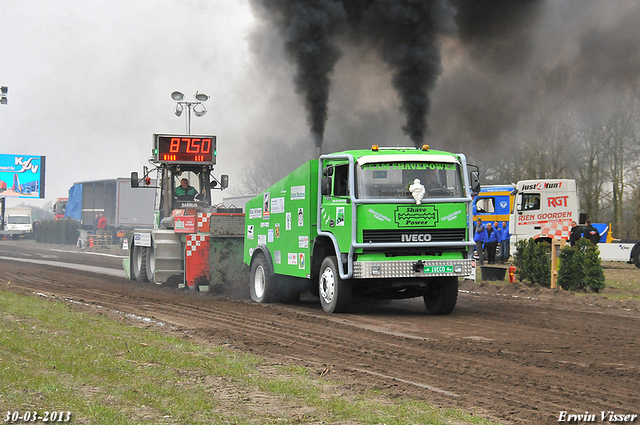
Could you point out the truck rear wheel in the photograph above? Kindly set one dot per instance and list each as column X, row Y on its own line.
column 636, row 258
column 263, row 283
column 441, row 295
column 139, row 263
column 335, row 293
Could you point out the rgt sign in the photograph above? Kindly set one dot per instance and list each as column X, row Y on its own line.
column 558, row 201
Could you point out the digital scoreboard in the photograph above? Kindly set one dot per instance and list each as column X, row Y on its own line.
column 180, row 149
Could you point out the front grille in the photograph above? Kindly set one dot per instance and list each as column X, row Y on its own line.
column 394, row 235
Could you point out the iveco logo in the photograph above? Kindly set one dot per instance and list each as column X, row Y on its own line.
column 416, row 237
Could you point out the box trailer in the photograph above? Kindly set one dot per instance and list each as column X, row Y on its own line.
column 122, row 206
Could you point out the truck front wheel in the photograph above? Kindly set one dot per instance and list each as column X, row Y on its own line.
column 335, row 293
column 262, row 285
column 441, row 295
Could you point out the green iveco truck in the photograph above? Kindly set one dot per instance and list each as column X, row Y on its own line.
column 380, row 223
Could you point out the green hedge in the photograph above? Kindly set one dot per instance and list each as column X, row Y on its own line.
column 533, row 262
column 60, row 231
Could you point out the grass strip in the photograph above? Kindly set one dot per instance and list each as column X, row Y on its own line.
column 104, row 371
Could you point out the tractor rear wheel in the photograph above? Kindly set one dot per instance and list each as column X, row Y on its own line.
column 139, row 263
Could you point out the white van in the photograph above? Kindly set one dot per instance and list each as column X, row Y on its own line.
column 18, row 222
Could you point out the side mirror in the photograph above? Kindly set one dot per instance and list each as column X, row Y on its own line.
column 224, row 181
column 134, row 179
column 474, row 178
column 325, row 186
column 327, row 171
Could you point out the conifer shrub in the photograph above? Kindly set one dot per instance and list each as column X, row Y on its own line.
column 533, row 262
column 581, row 267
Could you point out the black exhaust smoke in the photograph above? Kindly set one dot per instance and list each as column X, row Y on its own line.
column 308, row 27
column 408, row 31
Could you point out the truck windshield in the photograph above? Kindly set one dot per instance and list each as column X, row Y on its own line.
column 392, row 180
column 18, row 219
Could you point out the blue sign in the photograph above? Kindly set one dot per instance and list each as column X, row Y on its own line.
column 22, row 176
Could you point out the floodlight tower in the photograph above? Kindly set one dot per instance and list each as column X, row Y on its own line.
column 197, row 106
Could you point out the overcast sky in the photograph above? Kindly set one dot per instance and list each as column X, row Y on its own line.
column 90, row 80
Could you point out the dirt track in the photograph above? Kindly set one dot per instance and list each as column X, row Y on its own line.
column 516, row 354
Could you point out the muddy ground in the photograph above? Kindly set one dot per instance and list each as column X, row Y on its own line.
column 516, row 354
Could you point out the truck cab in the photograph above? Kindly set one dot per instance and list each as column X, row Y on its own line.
column 544, row 209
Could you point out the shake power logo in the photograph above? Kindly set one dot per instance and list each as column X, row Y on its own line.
column 416, row 216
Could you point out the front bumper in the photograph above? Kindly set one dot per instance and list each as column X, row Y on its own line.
column 412, row 269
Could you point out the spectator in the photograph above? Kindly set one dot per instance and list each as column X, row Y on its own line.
column 491, row 244
column 591, row 233
column 102, row 222
column 480, row 237
column 505, row 242
column 575, row 233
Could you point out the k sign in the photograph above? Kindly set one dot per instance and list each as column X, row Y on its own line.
column 22, row 176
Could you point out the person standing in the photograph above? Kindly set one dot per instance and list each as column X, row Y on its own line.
column 102, row 222
column 491, row 244
column 480, row 237
column 505, row 242
column 591, row 233
column 575, row 233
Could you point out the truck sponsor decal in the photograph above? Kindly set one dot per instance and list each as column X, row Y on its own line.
column 264, row 224
column 379, row 216
column 416, row 237
column 558, row 201
column 262, row 239
column 541, row 186
column 301, row 262
column 287, row 222
column 300, row 217
column 277, row 205
column 277, row 230
column 255, row 213
column 277, row 257
column 451, row 216
column 270, row 235
column 438, row 269
column 340, row 216
column 266, row 204
column 297, row 193
column 303, row 241
column 543, row 217
column 417, row 215
column 409, row 166
column 250, row 231
column 292, row 259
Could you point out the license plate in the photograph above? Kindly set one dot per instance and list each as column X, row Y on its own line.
column 438, row 269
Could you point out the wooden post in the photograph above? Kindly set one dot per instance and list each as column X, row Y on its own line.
column 556, row 246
